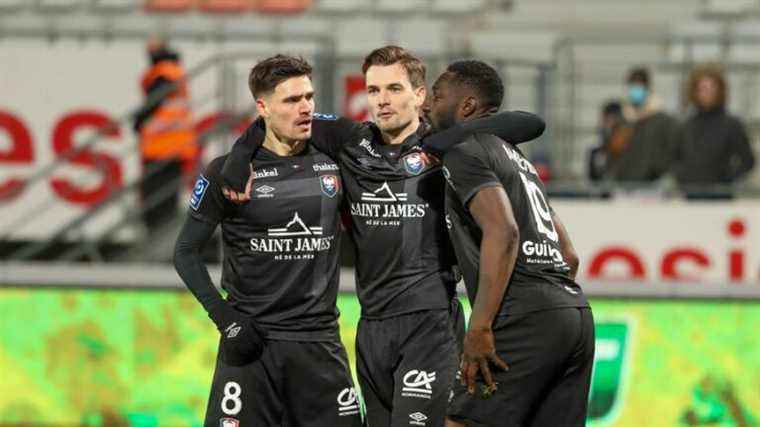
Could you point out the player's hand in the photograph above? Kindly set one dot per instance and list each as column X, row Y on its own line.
column 236, row 196
column 478, row 356
column 242, row 341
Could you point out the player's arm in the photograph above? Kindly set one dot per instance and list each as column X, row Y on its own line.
column 511, row 126
column 566, row 246
column 329, row 134
column 241, row 338
column 492, row 211
column 468, row 171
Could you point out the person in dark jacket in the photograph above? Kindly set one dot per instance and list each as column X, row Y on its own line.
column 646, row 155
column 715, row 150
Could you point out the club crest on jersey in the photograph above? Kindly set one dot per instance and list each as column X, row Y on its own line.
column 414, row 163
column 229, row 422
column 201, row 185
column 330, row 185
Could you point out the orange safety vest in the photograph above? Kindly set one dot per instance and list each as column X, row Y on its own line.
column 169, row 132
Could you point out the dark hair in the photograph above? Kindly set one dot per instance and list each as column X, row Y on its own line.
column 612, row 108
column 389, row 55
column 267, row 74
column 639, row 75
column 708, row 71
column 480, row 77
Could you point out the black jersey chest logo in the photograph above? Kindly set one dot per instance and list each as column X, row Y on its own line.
column 296, row 227
column 384, row 194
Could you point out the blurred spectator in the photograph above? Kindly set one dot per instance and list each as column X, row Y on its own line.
column 645, row 154
column 167, row 138
column 715, row 150
column 614, row 133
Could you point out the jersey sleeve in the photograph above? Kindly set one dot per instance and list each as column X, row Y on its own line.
column 330, row 133
column 467, row 170
column 236, row 170
column 511, row 126
column 207, row 203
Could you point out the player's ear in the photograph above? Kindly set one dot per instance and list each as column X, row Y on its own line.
column 468, row 106
column 262, row 109
column 420, row 94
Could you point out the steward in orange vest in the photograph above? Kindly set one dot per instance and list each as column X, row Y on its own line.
column 165, row 123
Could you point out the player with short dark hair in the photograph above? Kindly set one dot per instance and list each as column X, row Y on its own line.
column 529, row 348
column 406, row 348
column 280, row 360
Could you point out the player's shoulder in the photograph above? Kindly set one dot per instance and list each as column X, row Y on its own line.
column 476, row 145
column 214, row 168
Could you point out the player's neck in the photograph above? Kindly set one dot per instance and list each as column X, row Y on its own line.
column 394, row 138
column 282, row 146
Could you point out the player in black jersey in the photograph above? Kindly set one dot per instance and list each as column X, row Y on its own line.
column 406, row 352
column 529, row 348
column 280, row 361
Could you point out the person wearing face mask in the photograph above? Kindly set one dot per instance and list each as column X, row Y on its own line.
column 715, row 150
column 167, row 138
column 646, row 155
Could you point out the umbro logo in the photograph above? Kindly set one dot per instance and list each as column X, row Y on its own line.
column 264, row 191
column 233, row 330
column 418, row 419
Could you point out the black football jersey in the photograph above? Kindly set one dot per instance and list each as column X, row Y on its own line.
column 281, row 249
column 540, row 279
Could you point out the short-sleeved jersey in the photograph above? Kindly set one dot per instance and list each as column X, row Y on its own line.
column 540, row 279
column 404, row 261
column 281, row 249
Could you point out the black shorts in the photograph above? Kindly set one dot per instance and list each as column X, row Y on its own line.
column 293, row 384
column 406, row 366
column 550, row 355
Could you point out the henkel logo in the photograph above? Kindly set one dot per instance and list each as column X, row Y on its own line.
column 265, row 173
column 418, row 384
column 348, row 404
column 229, row 422
column 295, row 227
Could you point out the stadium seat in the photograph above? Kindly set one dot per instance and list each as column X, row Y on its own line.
column 174, row 6
column 225, row 6
column 58, row 6
column 12, row 6
column 333, row 6
column 457, row 6
column 281, row 6
column 399, row 5
column 114, row 6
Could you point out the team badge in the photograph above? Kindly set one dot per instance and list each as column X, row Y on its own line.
column 229, row 422
column 201, row 185
column 414, row 163
column 330, row 185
